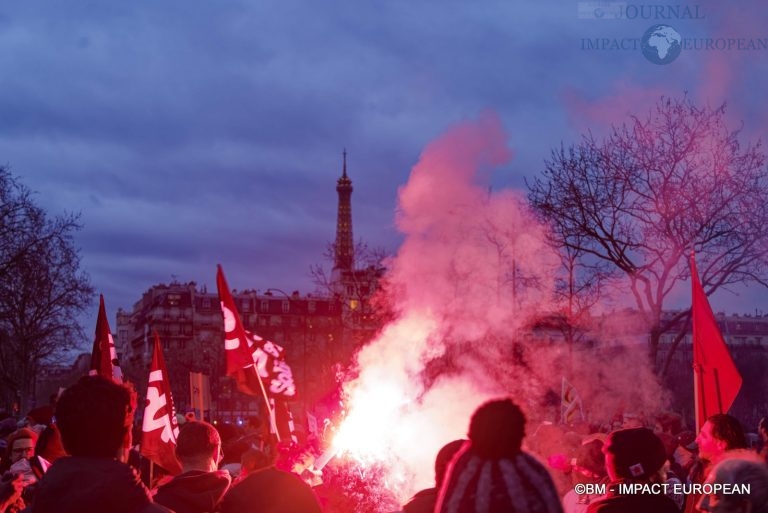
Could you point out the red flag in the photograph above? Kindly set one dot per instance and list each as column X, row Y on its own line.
column 104, row 356
column 257, row 365
column 250, row 357
column 238, row 356
column 715, row 377
column 160, row 427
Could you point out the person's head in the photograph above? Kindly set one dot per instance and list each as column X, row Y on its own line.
column 762, row 429
column 444, row 456
column 254, row 460
column 198, row 447
column 635, row 453
column 589, row 462
column 670, row 423
column 21, row 444
column 631, row 420
column 743, row 468
column 720, row 433
column 94, row 417
column 496, row 429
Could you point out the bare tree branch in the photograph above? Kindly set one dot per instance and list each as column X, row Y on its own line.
column 653, row 190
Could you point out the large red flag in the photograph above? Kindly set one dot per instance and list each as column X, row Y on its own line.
column 237, row 354
column 104, row 356
column 160, row 427
column 715, row 377
column 257, row 365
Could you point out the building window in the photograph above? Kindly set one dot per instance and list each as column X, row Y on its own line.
column 264, row 306
column 311, row 307
column 246, row 306
column 206, row 302
column 286, row 306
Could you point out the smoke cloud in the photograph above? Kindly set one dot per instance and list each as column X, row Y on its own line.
column 468, row 283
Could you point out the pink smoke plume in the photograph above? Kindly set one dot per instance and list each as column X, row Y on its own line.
column 473, row 272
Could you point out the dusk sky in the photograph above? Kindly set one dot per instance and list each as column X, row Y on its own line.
column 193, row 133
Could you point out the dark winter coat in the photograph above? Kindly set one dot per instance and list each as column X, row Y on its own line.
column 636, row 503
column 195, row 491
column 271, row 491
column 423, row 502
column 76, row 484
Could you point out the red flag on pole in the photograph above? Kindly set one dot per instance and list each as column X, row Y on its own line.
column 257, row 365
column 104, row 356
column 160, row 427
column 715, row 377
column 238, row 355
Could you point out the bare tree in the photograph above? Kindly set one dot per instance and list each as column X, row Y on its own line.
column 652, row 191
column 366, row 257
column 42, row 289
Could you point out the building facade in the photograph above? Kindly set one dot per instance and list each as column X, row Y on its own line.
column 190, row 326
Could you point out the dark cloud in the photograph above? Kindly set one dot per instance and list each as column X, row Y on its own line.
column 191, row 133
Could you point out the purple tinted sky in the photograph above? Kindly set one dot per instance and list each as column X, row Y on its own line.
column 192, row 133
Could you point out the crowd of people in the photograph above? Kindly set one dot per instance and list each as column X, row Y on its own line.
column 79, row 462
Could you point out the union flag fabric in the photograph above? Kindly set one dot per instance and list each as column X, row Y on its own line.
column 104, row 355
column 160, row 428
column 716, row 380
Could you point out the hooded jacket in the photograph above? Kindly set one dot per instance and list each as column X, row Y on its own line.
column 76, row 484
column 195, row 491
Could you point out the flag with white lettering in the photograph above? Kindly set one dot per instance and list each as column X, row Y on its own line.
column 104, row 355
column 257, row 365
column 250, row 357
column 160, row 427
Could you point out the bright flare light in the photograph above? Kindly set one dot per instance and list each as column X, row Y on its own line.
column 373, row 419
column 380, row 427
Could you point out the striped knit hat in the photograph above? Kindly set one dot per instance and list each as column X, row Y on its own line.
column 490, row 474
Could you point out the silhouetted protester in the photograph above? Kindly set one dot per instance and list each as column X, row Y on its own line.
column 20, row 446
column 588, row 468
column 738, row 468
column 491, row 474
column 673, row 490
column 425, row 500
column 670, row 423
column 633, row 456
column 762, row 431
column 201, row 486
column 719, row 434
column 685, row 455
column 266, row 489
column 49, row 446
column 94, row 417
column 11, row 486
column 21, row 461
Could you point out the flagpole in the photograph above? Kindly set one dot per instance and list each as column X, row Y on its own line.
column 698, row 399
column 272, row 419
column 717, row 391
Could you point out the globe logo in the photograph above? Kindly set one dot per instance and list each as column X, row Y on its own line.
column 599, row 13
column 661, row 44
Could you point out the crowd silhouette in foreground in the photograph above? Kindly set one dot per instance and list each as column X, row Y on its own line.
column 79, row 463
